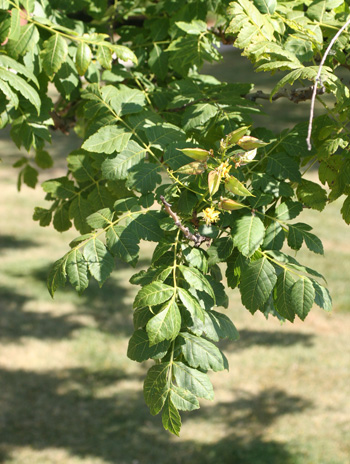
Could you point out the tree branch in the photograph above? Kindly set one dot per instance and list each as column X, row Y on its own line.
column 196, row 238
column 318, row 80
column 295, row 95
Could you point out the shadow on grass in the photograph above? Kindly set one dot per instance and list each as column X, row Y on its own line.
column 9, row 241
column 246, row 420
column 282, row 338
column 110, row 307
column 46, row 410
column 16, row 323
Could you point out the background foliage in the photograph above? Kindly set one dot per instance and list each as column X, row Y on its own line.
column 157, row 133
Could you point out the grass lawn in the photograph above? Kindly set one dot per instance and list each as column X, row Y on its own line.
column 69, row 394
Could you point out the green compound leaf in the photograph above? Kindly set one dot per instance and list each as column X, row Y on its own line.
column 121, row 242
column 79, row 210
column 57, row 276
column 298, row 233
column 266, row 6
column 191, row 304
column 144, row 177
column 100, row 219
column 8, row 62
column 197, row 280
column 218, row 326
column 312, row 195
column 274, row 237
column 139, row 348
column 19, row 84
column 15, row 25
column 158, row 62
column 288, row 210
column 171, row 419
column 257, row 281
column 302, row 297
column 145, row 226
column 155, row 388
column 183, row 399
column 345, row 210
column 160, row 136
column 77, row 271
column 54, row 53
column 119, row 167
column 61, row 220
column 66, row 79
column 248, row 234
column 27, row 40
column 201, row 353
column 108, row 139
column 99, row 260
column 283, row 298
column 220, row 249
column 195, row 257
column 124, row 100
column 283, row 166
column 322, row 297
column 165, row 325
column 104, row 56
column 123, row 53
column 153, row 294
column 83, row 58
column 198, row 114
column 195, row 381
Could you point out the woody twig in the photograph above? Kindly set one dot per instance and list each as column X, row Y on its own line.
column 196, row 238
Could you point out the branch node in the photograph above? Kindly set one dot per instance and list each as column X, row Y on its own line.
column 196, row 238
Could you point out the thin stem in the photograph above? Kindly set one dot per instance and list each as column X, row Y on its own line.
column 286, row 268
column 318, row 79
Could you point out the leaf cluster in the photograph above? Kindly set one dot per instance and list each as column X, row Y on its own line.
column 170, row 156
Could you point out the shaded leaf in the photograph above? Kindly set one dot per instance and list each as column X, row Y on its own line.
column 139, row 348
column 248, row 234
column 193, row 380
column 171, row 419
column 77, row 271
column 199, row 353
column 155, row 387
column 197, row 280
column 153, row 294
column 54, row 53
column 257, row 281
column 99, row 260
column 119, row 167
column 107, row 139
column 165, row 325
column 302, row 297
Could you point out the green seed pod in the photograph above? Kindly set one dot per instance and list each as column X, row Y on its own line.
column 235, row 186
column 248, row 143
column 197, row 154
column 214, row 179
column 234, row 136
column 229, row 205
column 194, row 168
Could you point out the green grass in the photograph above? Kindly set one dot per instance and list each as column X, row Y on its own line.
column 69, row 394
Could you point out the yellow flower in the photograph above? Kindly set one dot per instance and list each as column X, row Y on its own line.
column 224, row 169
column 211, row 215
